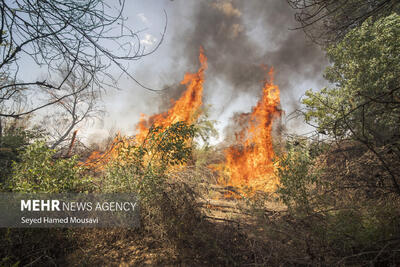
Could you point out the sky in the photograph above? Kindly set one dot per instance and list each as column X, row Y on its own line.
column 238, row 37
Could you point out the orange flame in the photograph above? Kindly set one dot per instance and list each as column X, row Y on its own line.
column 250, row 164
column 184, row 109
column 98, row 160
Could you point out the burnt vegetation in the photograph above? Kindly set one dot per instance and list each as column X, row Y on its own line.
column 337, row 202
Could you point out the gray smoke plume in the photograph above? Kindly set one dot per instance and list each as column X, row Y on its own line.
column 238, row 36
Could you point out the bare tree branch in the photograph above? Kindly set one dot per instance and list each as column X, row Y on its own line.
column 327, row 21
column 89, row 36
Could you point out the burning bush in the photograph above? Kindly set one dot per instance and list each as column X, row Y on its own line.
column 141, row 168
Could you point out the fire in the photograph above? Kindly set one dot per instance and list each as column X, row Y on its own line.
column 184, row 109
column 98, row 160
column 249, row 164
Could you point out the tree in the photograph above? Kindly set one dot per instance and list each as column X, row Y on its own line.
column 14, row 138
column 328, row 21
column 77, row 108
column 364, row 104
column 88, row 36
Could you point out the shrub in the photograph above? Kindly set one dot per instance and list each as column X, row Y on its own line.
column 14, row 138
column 39, row 171
column 142, row 169
column 297, row 176
column 334, row 216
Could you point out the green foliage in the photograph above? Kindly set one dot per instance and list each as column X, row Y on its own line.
column 364, row 105
column 203, row 152
column 365, row 101
column 297, row 176
column 205, row 128
column 38, row 171
column 331, row 220
column 13, row 139
column 167, row 207
column 141, row 167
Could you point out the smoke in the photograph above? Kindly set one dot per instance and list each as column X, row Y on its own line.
column 239, row 36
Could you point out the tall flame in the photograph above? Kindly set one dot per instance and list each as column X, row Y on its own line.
column 250, row 164
column 184, row 109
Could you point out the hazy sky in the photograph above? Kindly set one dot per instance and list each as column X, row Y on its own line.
column 238, row 36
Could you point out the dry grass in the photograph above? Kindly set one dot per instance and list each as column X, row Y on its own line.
column 192, row 224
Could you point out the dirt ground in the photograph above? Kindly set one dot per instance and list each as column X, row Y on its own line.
column 233, row 232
